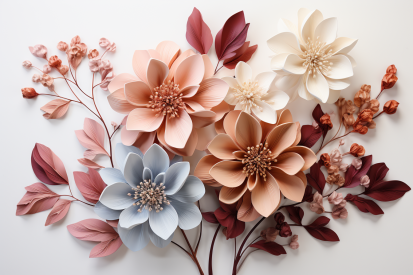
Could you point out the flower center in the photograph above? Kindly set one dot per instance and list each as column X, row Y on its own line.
column 316, row 57
column 258, row 160
column 151, row 196
column 247, row 94
column 167, row 100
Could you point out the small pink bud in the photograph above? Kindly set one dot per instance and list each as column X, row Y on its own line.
column 111, row 47
column 365, row 181
column 47, row 69
column 27, row 64
column 357, row 163
column 36, row 78
column 29, row 93
column 63, row 69
column 114, row 124
column 342, row 142
column 335, row 198
column 38, row 50
column 62, row 46
column 104, row 42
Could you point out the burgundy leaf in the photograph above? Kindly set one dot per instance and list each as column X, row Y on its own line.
column 90, row 185
column 47, row 166
column 353, row 176
column 322, row 233
column 96, row 231
column 310, row 135
column 235, row 227
column 317, row 114
column 387, row 190
column 37, row 198
column 242, row 54
column 296, row 214
column 231, row 37
column 198, row 33
column 320, row 222
column 210, row 217
column 308, row 195
column 316, row 178
column 364, row 205
column 270, row 247
column 58, row 212
column 377, row 173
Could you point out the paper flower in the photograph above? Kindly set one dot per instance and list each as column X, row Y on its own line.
column 150, row 196
column 312, row 59
column 172, row 96
column 255, row 95
column 259, row 158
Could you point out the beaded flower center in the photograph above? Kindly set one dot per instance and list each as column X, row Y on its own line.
column 316, row 57
column 167, row 100
column 258, row 160
column 151, row 196
column 248, row 94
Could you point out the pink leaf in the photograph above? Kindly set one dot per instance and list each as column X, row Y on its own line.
column 231, row 37
column 96, row 231
column 353, row 175
column 89, row 154
column 270, row 247
column 242, row 54
column 89, row 163
column 47, row 166
column 58, row 212
column 37, row 198
column 310, row 135
column 106, row 248
column 55, row 108
column 90, row 185
column 198, row 33
column 92, row 136
column 365, row 205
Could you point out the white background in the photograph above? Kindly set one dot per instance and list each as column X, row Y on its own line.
column 369, row 244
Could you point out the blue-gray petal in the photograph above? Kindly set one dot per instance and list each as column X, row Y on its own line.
column 164, row 222
column 158, row 241
column 105, row 212
column 188, row 214
column 111, row 175
column 131, row 217
column 175, row 177
column 176, row 159
column 192, row 191
column 116, row 197
column 147, row 174
column 136, row 238
column 133, row 169
column 122, row 151
column 156, row 159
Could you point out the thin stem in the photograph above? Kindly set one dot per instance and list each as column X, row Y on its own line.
column 378, row 114
column 194, row 258
column 235, row 248
column 186, row 251
column 379, row 93
column 114, row 131
column 65, row 79
column 245, row 259
column 76, row 199
column 61, row 97
column 200, row 231
column 211, row 250
column 249, row 245
column 216, row 68
column 333, row 139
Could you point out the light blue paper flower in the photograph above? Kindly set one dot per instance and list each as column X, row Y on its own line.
column 150, row 196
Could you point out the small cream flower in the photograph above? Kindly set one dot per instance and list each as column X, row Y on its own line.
column 255, row 95
column 312, row 59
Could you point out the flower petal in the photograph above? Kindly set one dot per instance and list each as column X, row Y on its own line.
column 189, row 215
column 327, row 30
column 156, row 159
column 202, row 170
column 209, row 68
column 129, row 137
column 143, row 119
column 306, row 153
column 164, row 223
column 265, row 112
column 318, row 87
column 105, row 212
column 222, row 147
column 202, row 119
column 333, row 96
column 338, row 84
column 294, row 65
column 205, row 136
column 189, row 91
column 302, row 88
column 119, row 81
column 133, row 169
column 119, row 103
column 266, row 195
column 177, row 62
column 131, row 217
column 157, row 241
column 230, row 121
column 341, row 67
column 247, row 212
column 284, row 42
column 190, row 72
column 228, row 173
column 156, row 73
column 290, row 163
column 243, row 73
column 281, row 137
column 229, row 195
column 122, row 151
column 168, row 52
column 178, row 130
column 252, row 181
column 291, row 187
column 111, row 175
column 192, row 190
column 343, row 45
column 140, row 63
column 189, row 148
column 144, row 140
column 248, row 131
column 265, row 80
column 138, row 93
column 276, row 99
column 147, row 174
column 116, row 196
column 285, row 25
column 310, row 24
column 211, row 92
column 136, row 238
column 175, row 177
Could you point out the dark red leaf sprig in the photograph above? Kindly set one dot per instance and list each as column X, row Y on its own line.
column 317, row 228
column 364, row 205
column 270, row 247
column 310, row 134
column 316, row 178
column 353, row 176
column 231, row 46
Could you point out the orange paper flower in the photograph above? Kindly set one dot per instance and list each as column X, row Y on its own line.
column 257, row 158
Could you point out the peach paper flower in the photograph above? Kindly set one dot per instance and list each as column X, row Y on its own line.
column 172, row 96
column 257, row 158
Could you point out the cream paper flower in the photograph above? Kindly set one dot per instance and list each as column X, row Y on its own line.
column 312, row 59
column 257, row 95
